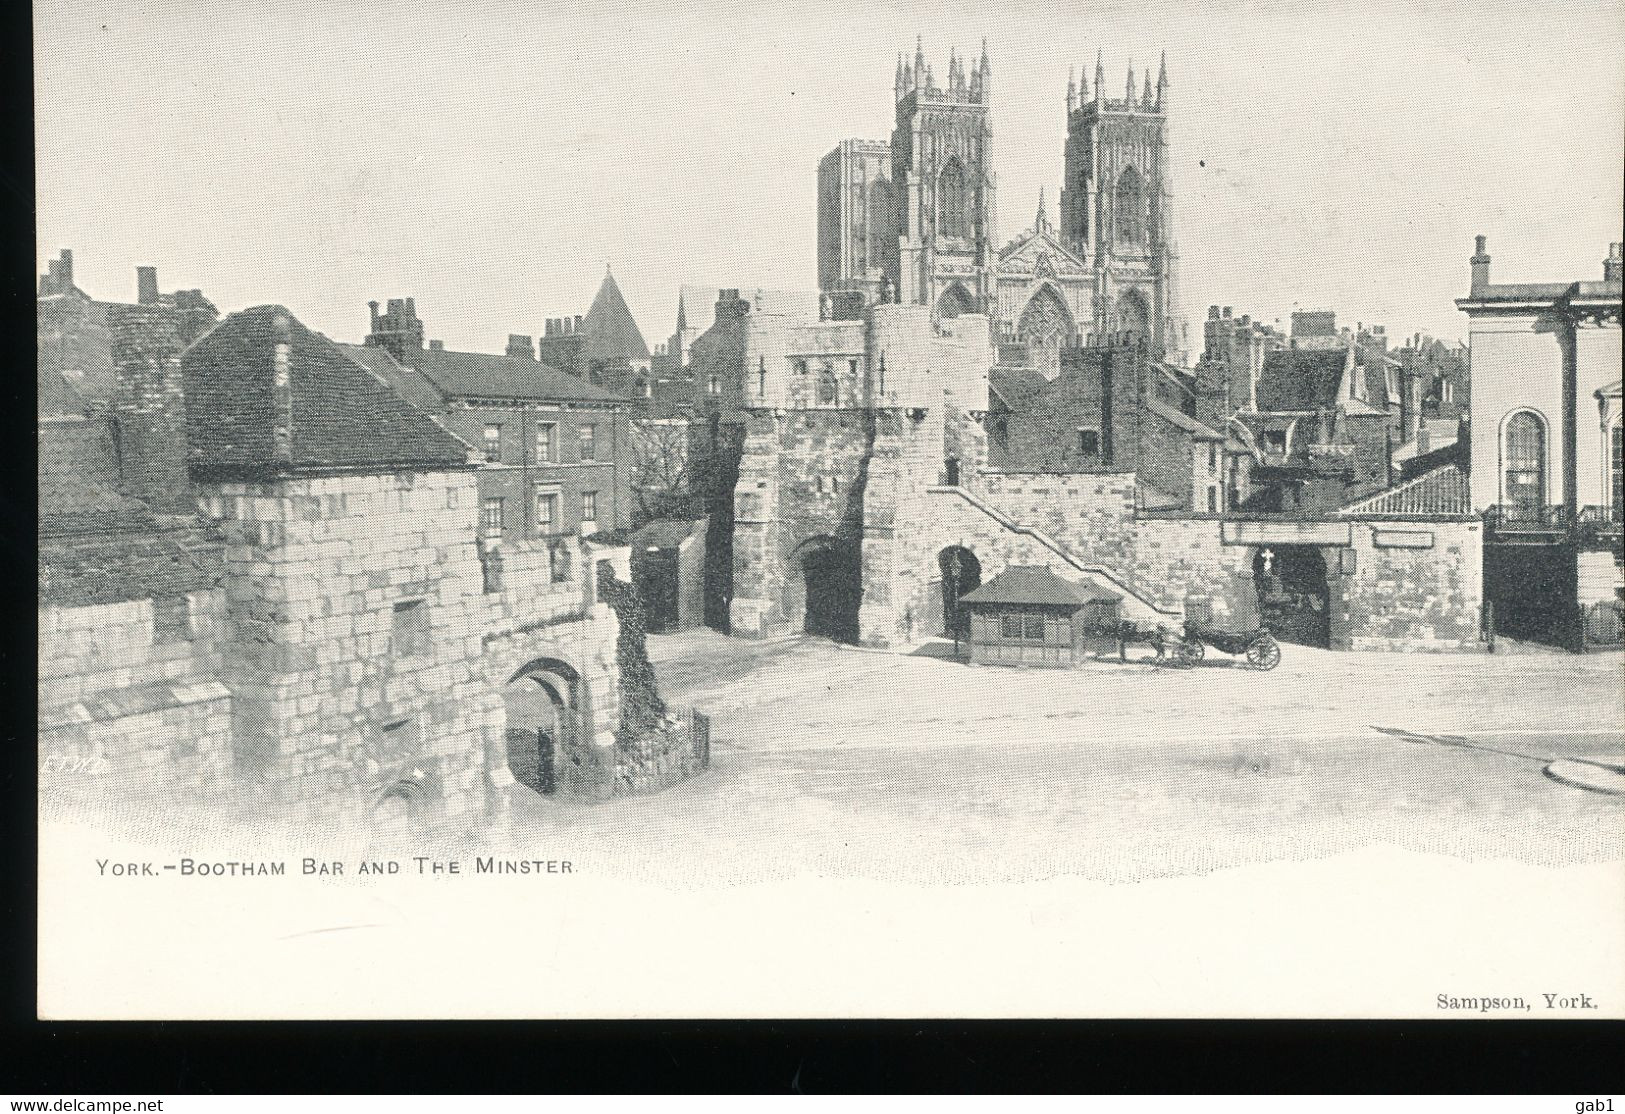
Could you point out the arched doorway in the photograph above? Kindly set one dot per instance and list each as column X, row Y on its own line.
column 960, row 573
column 833, row 577
column 954, row 301
column 1294, row 596
column 542, row 703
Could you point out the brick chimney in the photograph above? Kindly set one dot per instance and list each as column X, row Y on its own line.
column 1481, row 264
column 1613, row 268
column 150, row 407
column 521, row 346
column 146, row 286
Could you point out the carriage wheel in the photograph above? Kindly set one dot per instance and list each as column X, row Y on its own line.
column 1264, row 653
column 1194, row 651
column 1184, row 655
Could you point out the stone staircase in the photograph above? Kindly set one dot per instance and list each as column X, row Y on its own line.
column 1135, row 606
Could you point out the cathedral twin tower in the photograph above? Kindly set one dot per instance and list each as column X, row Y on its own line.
column 914, row 220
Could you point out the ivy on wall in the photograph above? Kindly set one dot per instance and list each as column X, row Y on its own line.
column 642, row 709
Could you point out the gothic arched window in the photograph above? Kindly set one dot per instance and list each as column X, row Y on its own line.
column 1523, row 462
column 953, row 208
column 1130, row 208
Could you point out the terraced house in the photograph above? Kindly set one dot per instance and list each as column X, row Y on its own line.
column 556, row 449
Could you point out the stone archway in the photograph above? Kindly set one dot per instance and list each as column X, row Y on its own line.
column 955, row 301
column 960, row 572
column 542, row 703
column 832, row 572
column 1294, row 593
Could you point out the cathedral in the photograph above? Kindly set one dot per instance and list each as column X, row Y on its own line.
column 914, row 220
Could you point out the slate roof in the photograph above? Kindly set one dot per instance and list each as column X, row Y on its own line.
column 610, row 332
column 698, row 303
column 1182, row 420
column 1442, row 491
column 408, row 382
column 480, row 375
column 662, row 533
column 1016, row 386
column 1034, row 584
column 1301, row 378
column 337, row 413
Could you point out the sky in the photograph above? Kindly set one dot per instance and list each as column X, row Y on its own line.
column 492, row 159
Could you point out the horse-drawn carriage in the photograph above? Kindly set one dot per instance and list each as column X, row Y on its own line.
column 1185, row 650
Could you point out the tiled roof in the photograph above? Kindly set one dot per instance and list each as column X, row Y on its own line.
column 610, row 332
column 1442, row 491
column 1155, row 499
column 1300, row 378
column 336, row 414
column 1182, row 420
column 1016, row 386
column 1033, row 584
column 479, row 375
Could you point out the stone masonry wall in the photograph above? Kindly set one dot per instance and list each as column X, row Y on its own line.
column 130, row 698
column 1416, row 585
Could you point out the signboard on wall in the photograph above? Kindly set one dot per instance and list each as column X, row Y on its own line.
column 1402, row 539
column 1286, row 533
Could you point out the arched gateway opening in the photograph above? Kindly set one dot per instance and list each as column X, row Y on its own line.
column 1294, row 596
column 542, row 702
column 961, row 573
column 833, row 574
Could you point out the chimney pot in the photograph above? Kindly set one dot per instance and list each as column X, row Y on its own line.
column 1227, row 310
column 577, row 327
column 1480, row 264
column 1613, row 268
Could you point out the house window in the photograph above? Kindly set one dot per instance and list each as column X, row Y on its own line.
column 1447, row 391
column 493, row 443
column 1010, row 626
column 491, row 517
column 827, row 388
column 546, row 442
column 547, row 512
column 801, row 367
column 410, row 632
column 761, row 376
column 1088, row 442
column 1393, row 384
column 1212, row 457
column 589, row 442
column 172, row 619
column 1212, row 500
column 559, row 558
column 1524, row 457
column 1275, row 441
column 713, row 385
column 852, row 368
column 589, row 506
column 644, row 390
column 1032, row 626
